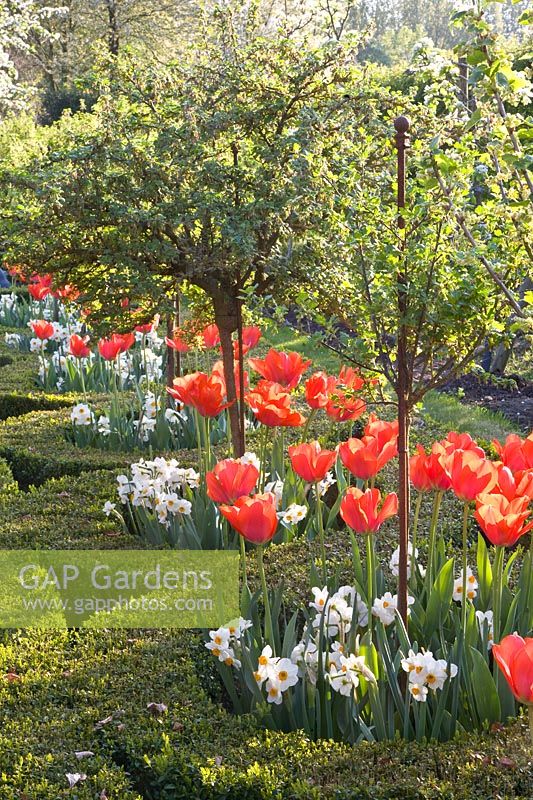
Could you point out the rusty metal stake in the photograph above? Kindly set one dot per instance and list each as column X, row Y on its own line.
column 402, row 125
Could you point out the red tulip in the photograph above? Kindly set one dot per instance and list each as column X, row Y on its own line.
column 68, row 292
column 283, row 368
column 211, row 336
column 255, row 518
column 125, row 340
column 350, row 378
column 271, row 405
column 343, row 406
column 146, row 328
column 39, row 290
column 514, row 656
column 317, row 389
column 364, row 457
column 502, row 520
column 310, row 462
column 470, row 474
column 230, row 480
column 250, row 336
column 78, row 346
column 42, row 329
column 109, row 349
column 516, row 453
column 360, row 512
column 218, row 372
column 512, row 486
column 418, row 470
column 203, row 392
column 385, row 432
column 461, row 441
column 177, row 343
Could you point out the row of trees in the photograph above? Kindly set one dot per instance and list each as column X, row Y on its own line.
column 48, row 47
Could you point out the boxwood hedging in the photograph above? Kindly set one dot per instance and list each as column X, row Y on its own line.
column 37, row 449
column 72, row 691
column 19, row 393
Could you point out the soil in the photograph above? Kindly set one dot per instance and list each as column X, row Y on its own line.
column 512, row 397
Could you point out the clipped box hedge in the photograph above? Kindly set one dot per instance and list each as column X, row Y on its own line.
column 71, row 691
column 62, row 514
column 36, row 449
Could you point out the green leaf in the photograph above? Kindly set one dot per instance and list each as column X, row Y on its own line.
column 440, row 599
column 484, row 688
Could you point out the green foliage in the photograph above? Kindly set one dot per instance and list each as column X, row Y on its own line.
column 68, row 681
column 449, row 413
column 36, row 447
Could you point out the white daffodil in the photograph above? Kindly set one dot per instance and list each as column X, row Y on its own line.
column 486, row 619
column 274, row 694
column 276, row 488
column 82, row 415
column 250, row 458
column 108, row 508
column 419, row 692
column 283, row 673
column 471, row 586
column 294, row 514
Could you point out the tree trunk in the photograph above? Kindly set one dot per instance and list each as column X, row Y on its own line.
column 503, row 353
column 170, row 353
column 227, row 320
column 178, row 324
column 242, row 415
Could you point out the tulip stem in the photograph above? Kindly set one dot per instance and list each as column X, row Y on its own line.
column 370, row 578
column 243, row 561
column 320, row 523
column 307, row 423
column 497, row 596
column 415, row 530
column 432, row 539
column 269, row 633
column 464, row 608
column 530, row 715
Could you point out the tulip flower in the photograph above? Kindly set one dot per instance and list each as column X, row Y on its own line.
column 283, row 368
column 461, row 441
column 360, row 511
column 42, row 329
column 350, row 378
column 68, row 292
column 256, row 519
column 203, row 392
column 364, row 458
column 211, row 336
column 470, row 474
column 251, row 336
column 514, row 656
column 126, row 340
column 344, row 407
column 516, row 453
column 177, row 343
column 146, row 328
column 418, row 470
column 502, row 520
column 109, row 349
column 318, row 388
column 385, row 432
column 78, row 346
column 230, row 480
column 270, row 404
column 38, row 291
column 512, row 486
column 310, row 462
column 218, row 372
